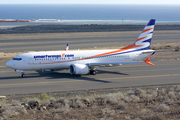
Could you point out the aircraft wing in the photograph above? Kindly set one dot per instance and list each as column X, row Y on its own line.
column 111, row 64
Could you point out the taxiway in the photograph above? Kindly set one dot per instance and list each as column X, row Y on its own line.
column 165, row 72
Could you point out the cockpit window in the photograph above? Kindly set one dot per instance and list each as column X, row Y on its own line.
column 17, row 59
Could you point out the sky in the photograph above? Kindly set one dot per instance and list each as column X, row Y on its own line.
column 90, row 2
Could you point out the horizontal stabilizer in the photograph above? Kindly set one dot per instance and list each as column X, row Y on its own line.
column 148, row 59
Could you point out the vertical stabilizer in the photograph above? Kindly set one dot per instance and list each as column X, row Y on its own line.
column 144, row 39
column 67, row 47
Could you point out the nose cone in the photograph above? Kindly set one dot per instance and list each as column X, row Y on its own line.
column 10, row 64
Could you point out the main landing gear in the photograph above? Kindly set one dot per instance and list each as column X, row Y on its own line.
column 23, row 75
column 92, row 72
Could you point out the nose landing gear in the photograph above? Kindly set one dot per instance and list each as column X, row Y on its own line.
column 23, row 75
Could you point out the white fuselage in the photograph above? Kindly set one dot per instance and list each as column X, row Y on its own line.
column 63, row 59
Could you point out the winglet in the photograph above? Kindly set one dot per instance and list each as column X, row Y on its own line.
column 67, row 47
column 148, row 60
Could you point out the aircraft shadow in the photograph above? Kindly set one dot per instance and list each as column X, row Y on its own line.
column 58, row 75
column 110, row 72
column 54, row 75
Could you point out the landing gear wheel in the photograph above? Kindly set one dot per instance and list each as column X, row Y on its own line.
column 23, row 75
column 93, row 72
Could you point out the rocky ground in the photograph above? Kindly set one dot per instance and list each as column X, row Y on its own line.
column 145, row 103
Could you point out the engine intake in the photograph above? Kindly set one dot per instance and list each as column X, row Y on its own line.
column 76, row 69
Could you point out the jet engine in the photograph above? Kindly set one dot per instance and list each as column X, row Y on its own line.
column 76, row 69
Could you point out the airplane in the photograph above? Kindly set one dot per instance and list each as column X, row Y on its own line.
column 87, row 61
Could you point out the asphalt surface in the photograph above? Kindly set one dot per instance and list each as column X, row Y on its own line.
column 79, row 42
column 165, row 72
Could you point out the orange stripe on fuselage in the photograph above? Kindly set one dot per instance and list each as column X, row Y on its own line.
column 116, row 51
column 120, row 50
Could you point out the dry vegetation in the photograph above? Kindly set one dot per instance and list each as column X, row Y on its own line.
column 134, row 104
column 166, row 46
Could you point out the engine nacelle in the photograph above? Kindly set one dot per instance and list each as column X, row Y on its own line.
column 76, row 69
